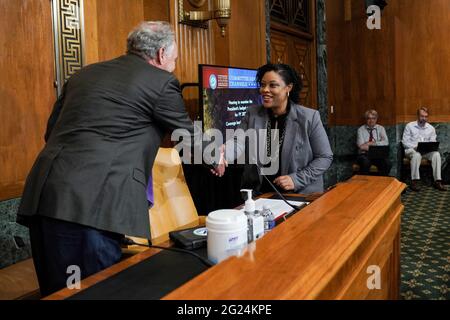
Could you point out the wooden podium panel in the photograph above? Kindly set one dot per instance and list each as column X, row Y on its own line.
column 336, row 248
column 332, row 249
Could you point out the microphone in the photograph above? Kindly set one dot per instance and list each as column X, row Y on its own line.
column 297, row 208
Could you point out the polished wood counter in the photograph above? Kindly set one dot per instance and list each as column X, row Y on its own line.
column 327, row 251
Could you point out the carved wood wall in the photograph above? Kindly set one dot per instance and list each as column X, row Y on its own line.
column 292, row 13
column 293, row 43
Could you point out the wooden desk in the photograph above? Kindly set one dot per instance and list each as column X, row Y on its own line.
column 323, row 252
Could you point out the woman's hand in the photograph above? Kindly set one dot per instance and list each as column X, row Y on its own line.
column 285, row 182
column 219, row 170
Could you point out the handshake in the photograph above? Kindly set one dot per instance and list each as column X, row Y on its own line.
column 219, row 169
column 285, row 183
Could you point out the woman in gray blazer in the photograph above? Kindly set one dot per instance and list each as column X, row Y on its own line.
column 305, row 150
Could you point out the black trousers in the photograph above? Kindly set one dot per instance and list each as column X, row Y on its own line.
column 384, row 165
column 61, row 248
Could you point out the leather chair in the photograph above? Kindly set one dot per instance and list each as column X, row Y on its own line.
column 174, row 208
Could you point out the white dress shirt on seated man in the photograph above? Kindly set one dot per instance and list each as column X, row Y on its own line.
column 378, row 134
column 414, row 133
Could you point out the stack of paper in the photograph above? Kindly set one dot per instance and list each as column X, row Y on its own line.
column 278, row 207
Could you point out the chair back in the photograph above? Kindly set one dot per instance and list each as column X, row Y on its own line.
column 173, row 208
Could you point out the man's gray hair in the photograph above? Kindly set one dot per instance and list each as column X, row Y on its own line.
column 371, row 112
column 150, row 36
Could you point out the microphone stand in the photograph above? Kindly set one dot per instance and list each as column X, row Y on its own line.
column 296, row 208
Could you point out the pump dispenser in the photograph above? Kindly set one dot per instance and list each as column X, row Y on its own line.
column 255, row 221
column 250, row 207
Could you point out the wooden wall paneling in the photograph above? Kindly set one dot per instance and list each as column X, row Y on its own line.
column 372, row 71
column 156, row 10
column 423, row 59
column 339, row 76
column 335, row 13
column 311, row 69
column 221, row 45
column 91, row 31
column 361, row 66
column 196, row 46
column 115, row 19
column 247, row 33
column 26, row 93
column 396, row 69
column 400, row 107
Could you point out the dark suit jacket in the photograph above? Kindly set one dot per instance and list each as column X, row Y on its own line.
column 306, row 153
column 103, row 136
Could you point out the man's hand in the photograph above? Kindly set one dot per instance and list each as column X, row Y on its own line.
column 285, row 182
column 365, row 146
column 219, row 170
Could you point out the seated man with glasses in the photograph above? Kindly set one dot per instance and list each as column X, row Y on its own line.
column 422, row 131
column 372, row 134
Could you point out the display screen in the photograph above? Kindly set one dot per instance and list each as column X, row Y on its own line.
column 225, row 94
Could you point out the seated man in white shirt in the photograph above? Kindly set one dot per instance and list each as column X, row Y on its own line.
column 372, row 134
column 421, row 131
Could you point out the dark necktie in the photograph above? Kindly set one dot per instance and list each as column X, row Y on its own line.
column 371, row 138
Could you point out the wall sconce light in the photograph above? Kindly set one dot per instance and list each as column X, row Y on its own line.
column 221, row 13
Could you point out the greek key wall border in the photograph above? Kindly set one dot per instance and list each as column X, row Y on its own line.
column 68, row 29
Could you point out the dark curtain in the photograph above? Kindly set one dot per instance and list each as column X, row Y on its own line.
column 212, row 193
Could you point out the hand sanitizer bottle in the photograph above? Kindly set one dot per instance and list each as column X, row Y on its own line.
column 255, row 220
column 249, row 210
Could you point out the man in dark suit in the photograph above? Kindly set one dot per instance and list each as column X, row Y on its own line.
column 88, row 185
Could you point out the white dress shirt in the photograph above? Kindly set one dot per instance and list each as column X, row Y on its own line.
column 414, row 134
column 379, row 135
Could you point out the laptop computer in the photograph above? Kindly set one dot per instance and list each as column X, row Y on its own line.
column 427, row 147
column 378, row 152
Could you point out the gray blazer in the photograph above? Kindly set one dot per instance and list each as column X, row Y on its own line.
column 306, row 152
